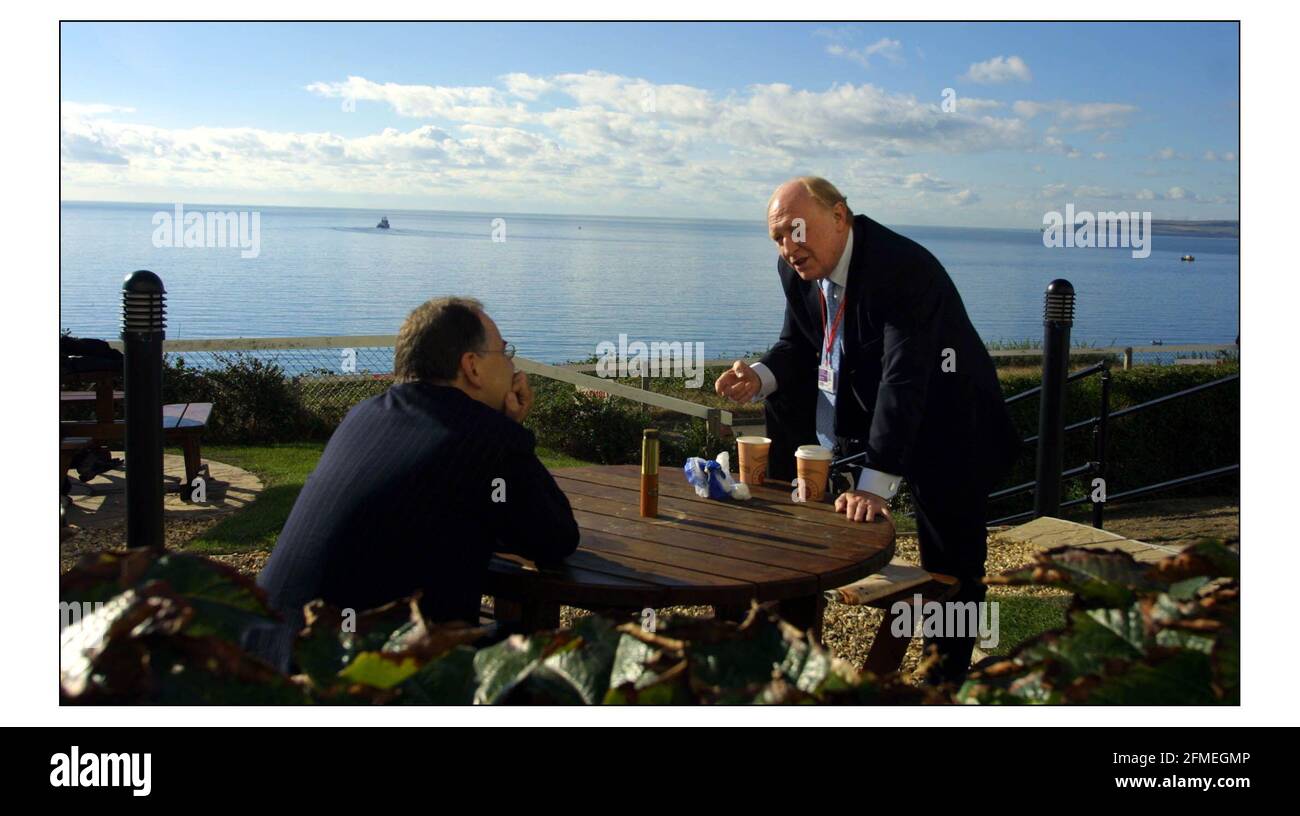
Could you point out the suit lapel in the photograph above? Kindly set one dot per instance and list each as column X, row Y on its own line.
column 858, row 283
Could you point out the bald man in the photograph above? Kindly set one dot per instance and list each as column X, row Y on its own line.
column 877, row 357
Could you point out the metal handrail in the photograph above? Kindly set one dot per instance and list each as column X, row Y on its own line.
column 1028, row 486
column 1092, row 421
column 1100, row 425
column 1185, row 392
column 1203, row 476
column 1078, row 375
column 1116, row 351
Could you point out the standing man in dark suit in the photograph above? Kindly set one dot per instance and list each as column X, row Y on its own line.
column 420, row 485
column 877, row 357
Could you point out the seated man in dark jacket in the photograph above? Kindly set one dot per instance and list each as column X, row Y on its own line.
column 420, row 485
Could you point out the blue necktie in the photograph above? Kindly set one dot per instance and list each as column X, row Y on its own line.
column 825, row 399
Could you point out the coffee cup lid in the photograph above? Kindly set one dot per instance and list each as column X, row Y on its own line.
column 812, row 452
column 754, row 440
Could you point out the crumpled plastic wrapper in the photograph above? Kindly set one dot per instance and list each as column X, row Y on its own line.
column 711, row 478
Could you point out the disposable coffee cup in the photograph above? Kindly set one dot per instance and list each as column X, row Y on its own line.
column 813, row 465
column 753, row 452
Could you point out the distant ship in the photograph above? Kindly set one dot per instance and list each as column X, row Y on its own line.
column 383, row 223
column 1187, row 258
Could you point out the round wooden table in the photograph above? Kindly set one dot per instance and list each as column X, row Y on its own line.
column 696, row 552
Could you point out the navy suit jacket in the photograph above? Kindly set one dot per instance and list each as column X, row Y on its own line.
column 403, row 501
column 902, row 318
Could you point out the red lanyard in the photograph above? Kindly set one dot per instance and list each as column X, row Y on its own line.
column 835, row 324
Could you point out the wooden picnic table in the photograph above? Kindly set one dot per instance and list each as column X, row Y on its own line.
column 696, row 552
column 103, row 395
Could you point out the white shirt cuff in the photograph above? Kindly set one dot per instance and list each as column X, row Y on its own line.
column 884, row 485
column 768, row 380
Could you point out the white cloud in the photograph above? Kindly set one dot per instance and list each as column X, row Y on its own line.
column 1078, row 116
column 1227, row 156
column 1055, row 145
column 890, row 50
column 1052, row 191
column 576, row 137
column 999, row 69
column 969, row 104
column 926, row 182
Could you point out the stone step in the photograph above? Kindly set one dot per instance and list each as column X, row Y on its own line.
column 1048, row 532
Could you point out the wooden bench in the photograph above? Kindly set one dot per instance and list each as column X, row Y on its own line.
column 898, row 581
column 69, row 447
column 183, row 425
column 87, row 396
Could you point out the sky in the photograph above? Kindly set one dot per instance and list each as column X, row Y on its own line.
column 958, row 124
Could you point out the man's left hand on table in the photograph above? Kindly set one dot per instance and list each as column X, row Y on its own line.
column 859, row 505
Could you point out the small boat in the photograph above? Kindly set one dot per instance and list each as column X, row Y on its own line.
column 1187, row 258
column 383, row 223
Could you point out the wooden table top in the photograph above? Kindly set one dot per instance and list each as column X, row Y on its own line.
column 696, row 551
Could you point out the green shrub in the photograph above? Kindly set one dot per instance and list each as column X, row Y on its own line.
column 253, row 400
column 586, row 426
column 693, row 438
column 168, row 630
column 1167, row 633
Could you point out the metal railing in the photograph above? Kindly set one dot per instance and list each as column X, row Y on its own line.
column 1058, row 318
column 1129, row 356
column 1097, row 467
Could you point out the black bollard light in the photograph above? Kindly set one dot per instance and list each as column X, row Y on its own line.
column 1058, row 317
column 142, row 339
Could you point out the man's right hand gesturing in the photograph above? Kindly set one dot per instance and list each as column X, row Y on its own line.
column 739, row 383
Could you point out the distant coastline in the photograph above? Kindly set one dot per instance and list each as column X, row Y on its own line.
column 1166, row 227
column 1201, row 229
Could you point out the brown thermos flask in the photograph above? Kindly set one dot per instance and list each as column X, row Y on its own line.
column 650, row 473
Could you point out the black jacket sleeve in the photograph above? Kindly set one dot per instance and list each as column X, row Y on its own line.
column 910, row 358
column 534, row 518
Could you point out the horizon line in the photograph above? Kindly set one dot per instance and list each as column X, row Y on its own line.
column 381, row 211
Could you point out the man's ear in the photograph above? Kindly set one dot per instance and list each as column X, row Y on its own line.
column 470, row 370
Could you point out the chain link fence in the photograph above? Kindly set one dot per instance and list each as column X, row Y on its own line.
column 328, row 380
column 328, row 375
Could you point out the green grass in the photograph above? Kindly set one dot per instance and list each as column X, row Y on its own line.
column 1021, row 617
column 283, row 469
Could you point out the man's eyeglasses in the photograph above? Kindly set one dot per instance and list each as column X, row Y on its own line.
column 508, row 351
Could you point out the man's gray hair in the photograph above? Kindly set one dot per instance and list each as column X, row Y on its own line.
column 821, row 190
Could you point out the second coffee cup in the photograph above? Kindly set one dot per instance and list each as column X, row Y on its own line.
column 813, row 465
